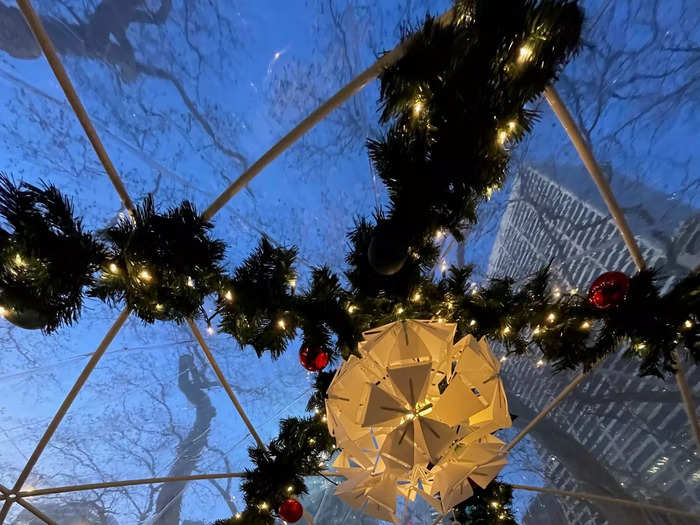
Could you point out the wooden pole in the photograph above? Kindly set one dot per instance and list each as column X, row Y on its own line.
column 224, row 383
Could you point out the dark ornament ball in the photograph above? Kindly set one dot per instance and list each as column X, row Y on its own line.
column 313, row 359
column 608, row 290
column 388, row 250
column 291, row 511
column 27, row 318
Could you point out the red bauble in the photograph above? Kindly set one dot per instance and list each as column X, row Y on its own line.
column 291, row 511
column 609, row 290
column 313, row 359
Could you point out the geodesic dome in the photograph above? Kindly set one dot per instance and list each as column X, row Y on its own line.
column 187, row 96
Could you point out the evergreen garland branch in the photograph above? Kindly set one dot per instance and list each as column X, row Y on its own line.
column 456, row 102
column 487, row 506
column 46, row 259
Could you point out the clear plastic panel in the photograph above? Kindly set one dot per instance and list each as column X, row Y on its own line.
column 186, row 95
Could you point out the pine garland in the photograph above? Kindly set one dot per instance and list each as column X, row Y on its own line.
column 161, row 265
column 46, row 259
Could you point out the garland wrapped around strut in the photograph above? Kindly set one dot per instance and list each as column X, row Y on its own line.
column 46, row 259
column 161, row 265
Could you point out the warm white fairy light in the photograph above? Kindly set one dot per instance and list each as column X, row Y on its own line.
column 416, row 297
column 399, row 310
column 551, row 317
column 573, row 291
column 159, row 307
column 556, row 293
column 113, row 268
column 506, row 330
column 317, row 411
column 502, row 137
column 263, row 505
column 290, row 489
column 417, row 108
column 585, row 325
column 688, row 324
column 351, row 308
column 190, row 282
column 238, row 515
column 525, row 53
column 472, row 322
column 324, row 418
column 537, row 331
column 281, row 324
column 312, row 441
column 210, row 330
column 439, row 235
column 640, row 346
column 503, row 359
column 293, row 284
column 144, row 275
column 18, row 260
column 539, row 363
column 443, row 266
column 3, row 311
column 494, row 504
column 512, row 125
column 228, row 295
column 440, row 320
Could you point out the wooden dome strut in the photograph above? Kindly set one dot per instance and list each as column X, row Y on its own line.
column 17, row 495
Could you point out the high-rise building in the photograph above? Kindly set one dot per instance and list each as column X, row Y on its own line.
column 616, row 434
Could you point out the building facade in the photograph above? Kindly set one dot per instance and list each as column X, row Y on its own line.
column 616, row 434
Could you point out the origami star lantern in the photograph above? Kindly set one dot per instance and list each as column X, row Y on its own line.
column 417, row 411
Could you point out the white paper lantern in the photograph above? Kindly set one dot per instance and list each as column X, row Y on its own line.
column 411, row 401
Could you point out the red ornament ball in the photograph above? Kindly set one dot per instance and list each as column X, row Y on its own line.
column 608, row 290
column 313, row 359
column 291, row 511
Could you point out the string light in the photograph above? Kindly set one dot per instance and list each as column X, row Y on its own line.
column 503, row 359
column 324, row 418
column 228, row 295
column 511, row 125
column 472, row 322
column 417, row 108
column 539, row 363
column 494, row 504
column 113, row 268
column 190, row 282
column 443, row 266
column 439, row 235
column 399, row 310
column 574, row 291
column 264, row 505
column 502, row 137
column 144, row 275
column 3, row 311
column 352, row 308
column 293, row 284
column 290, row 489
column 312, row 441
column 18, row 260
column 317, row 411
column 688, row 324
column 537, row 330
column 440, row 320
column 640, row 346
column 556, row 293
column 159, row 307
column 525, row 53
column 551, row 317
column 416, row 297
column 585, row 325
column 281, row 324
column 506, row 330
column 210, row 329
column 238, row 515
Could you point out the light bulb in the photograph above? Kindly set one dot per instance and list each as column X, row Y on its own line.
column 290, row 488
column 238, row 515
column 511, row 125
column 439, row 234
column 190, row 282
column 525, row 53
column 441, row 320
column 352, row 308
column 210, row 330
column 585, row 325
column 312, row 441
column 399, row 310
column 503, row 359
column 18, row 260
column 3, row 311
column 292, row 283
column 443, row 266
column 539, row 363
column 281, row 324
column 324, row 418
column 506, row 330
column 472, row 322
column 556, row 293
column 416, row 297
column 537, row 330
column 688, row 324
column 494, row 504
column 159, row 307
column 228, row 295
column 264, row 505
column 502, row 137
column 113, row 268
column 144, row 275
column 574, row 291
column 417, row 108
column 551, row 317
